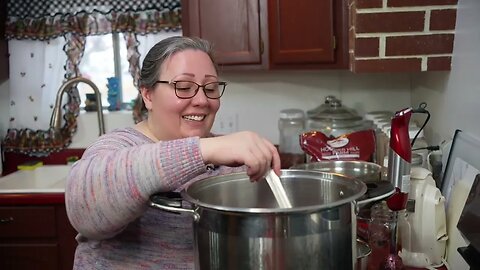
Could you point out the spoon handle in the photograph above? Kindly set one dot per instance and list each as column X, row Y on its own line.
column 278, row 191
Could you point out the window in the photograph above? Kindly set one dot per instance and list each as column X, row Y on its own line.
column 98, row 63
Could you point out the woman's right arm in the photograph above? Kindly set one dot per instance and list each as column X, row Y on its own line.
column 110, row 185
column 242, row 148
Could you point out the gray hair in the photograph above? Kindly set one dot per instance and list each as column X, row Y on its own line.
column 157, row 55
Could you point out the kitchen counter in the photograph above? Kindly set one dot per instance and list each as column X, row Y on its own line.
column 36, row 232
column 42, row 185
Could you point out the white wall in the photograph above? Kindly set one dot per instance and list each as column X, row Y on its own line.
column 253, row 100
column 257, row 98
column 454, row 100
column 454, row 97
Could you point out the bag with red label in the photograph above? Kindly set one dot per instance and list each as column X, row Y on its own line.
column 359, row 145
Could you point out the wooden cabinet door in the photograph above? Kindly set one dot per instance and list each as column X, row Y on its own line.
column 29, row 256
column 304, row 32
column 36, row 237
column 233, row 26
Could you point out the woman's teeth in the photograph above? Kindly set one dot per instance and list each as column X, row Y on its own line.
column 194, row 117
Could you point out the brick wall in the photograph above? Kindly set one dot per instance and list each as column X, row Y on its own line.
column 401, row 35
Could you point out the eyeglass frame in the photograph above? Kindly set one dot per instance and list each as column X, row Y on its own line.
column 174, row 83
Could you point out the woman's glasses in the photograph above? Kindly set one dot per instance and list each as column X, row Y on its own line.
column 188, row 89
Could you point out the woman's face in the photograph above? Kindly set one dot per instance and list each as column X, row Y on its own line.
column 171, row 117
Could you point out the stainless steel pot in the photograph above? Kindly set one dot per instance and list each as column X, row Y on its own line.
column 238, row 225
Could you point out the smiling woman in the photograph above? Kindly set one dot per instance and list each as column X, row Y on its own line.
column 172, row 147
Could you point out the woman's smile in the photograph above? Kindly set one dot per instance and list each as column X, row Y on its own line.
column 196, row 118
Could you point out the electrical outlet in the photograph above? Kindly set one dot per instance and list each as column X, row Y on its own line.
column 225, row 124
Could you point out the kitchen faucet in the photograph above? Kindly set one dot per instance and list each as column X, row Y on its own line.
column 56, row 120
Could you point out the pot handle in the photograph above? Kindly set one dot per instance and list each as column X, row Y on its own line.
column 171, row 202
column 356, row 207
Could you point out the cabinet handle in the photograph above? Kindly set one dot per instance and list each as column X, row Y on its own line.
column 6, row 220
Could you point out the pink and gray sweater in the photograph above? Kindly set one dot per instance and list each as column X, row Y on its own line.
column 106, row 198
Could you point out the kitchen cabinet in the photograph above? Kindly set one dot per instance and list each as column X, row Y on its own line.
column 274, row 34
column 36, row 237
column 3, row 43
column 236, row 28
column 308, row 34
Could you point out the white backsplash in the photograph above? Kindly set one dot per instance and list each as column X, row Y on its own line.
column 253, row 100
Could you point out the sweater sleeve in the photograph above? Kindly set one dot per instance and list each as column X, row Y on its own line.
column 110, row 185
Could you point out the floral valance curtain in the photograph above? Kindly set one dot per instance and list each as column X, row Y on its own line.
column 36, row 21
column 47, row 19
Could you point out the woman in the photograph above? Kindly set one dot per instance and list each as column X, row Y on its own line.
column 108, row 189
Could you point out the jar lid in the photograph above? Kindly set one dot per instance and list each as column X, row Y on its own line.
column 322, row 107
column 336, row 112
column 292, row 114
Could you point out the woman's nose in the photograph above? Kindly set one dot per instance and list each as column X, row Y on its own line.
column 200, row 97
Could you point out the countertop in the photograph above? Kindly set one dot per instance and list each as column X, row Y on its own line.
column 42, row 185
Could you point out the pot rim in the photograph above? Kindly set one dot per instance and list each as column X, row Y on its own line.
column 348, row 181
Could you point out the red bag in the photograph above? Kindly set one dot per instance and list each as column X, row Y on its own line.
column 359, row 145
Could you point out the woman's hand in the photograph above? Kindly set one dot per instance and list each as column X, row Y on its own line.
column 242, row 148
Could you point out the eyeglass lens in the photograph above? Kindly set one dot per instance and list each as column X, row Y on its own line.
column 187, row 89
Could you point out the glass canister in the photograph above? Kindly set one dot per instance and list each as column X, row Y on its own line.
column 290, row 125
column 383, row 238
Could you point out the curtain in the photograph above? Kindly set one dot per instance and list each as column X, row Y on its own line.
column 137, row 47
column 46, row 43
column 47, row 19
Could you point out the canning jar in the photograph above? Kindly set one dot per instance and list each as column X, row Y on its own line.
column 290, row 125
column 388, row 231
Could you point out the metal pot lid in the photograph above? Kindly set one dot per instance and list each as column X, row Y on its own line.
column 335, row 111
column 308, row 191
column 372, row 174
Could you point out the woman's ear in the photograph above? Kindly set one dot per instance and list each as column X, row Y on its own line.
column 147, row 97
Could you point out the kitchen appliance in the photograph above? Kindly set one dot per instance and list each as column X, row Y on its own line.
column 237, row 224
column 399, row 159
column 468, row 226
column 462, row 165
column 425, row 236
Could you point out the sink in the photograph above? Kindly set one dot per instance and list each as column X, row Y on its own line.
column 44, row 179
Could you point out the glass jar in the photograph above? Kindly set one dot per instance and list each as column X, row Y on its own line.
column 380, row 232
column 290, row 125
